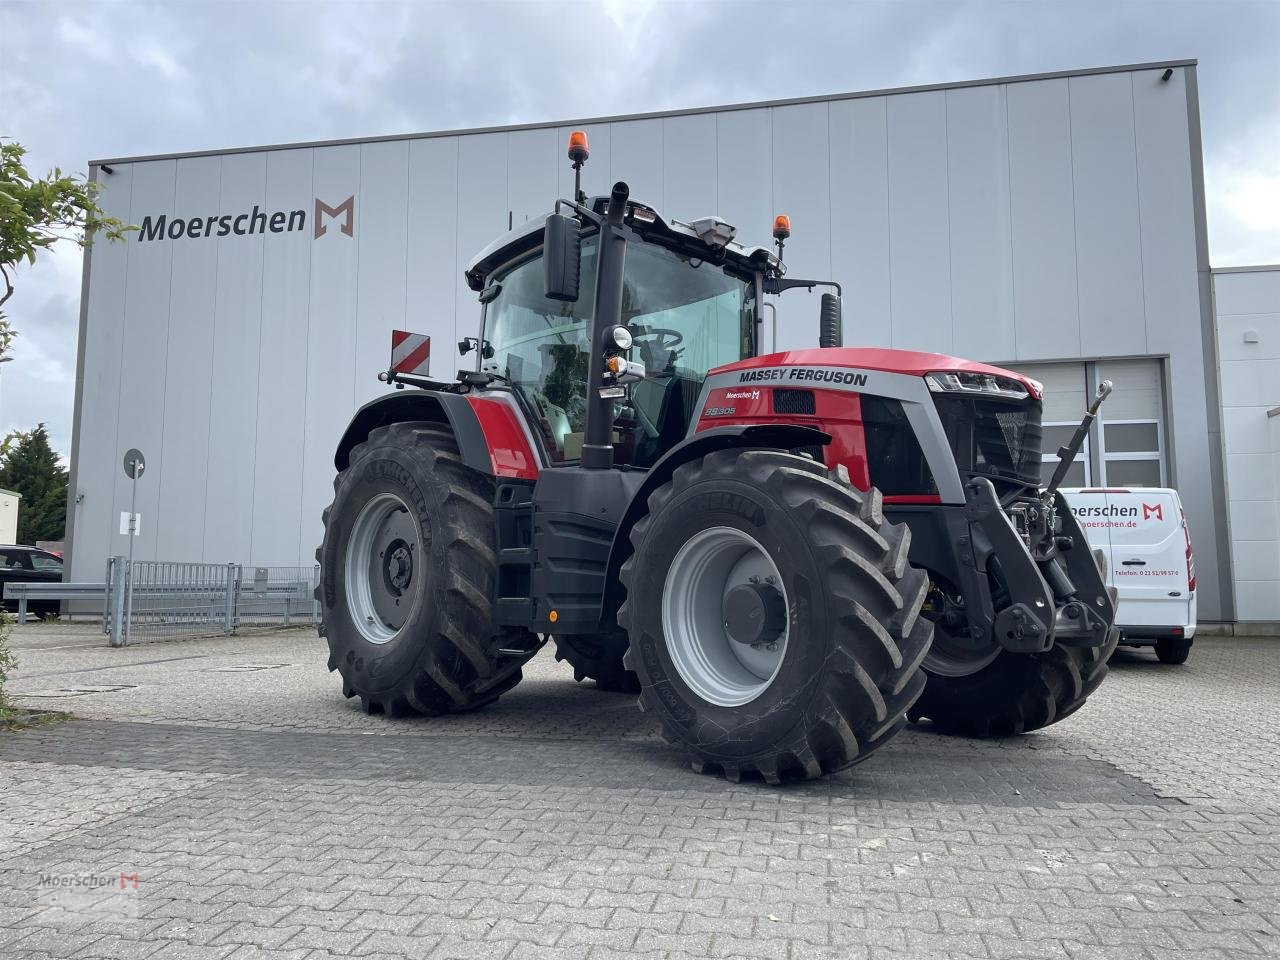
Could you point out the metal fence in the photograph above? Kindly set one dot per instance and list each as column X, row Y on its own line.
column 160, row 599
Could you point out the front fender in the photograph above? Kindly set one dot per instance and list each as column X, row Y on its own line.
column 436, row 406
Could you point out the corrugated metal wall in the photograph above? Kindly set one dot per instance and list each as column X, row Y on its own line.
column 1247, row 307
column 1036, row 220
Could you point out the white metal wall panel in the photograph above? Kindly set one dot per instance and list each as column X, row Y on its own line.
column 1248, row 305
column 1239, row 294
column 432, row 251
column 980, row 242
column 1172, row 296
column 283, row 374
column 94, row 459
column 919, row 246
column 534, row 159
column 381, row 248
column 744, row 173
column 802, row 190
column 744, row 187
column 636, row 156
column 860, row 218
column 332, row 310
column 237, row 358
column 139, row 412
column 1108, row 241
column 1044, row 258
column 187, row 373
column 482, row 216
column 689, row 167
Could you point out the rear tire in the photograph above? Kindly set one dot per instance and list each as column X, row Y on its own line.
column 1016, row 692
column 845, row 663
column 409, row 621
column 598, row 657
column 1173, row 651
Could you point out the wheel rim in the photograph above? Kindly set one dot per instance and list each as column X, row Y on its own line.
column 699, row 616
column 383, row 568
column 953, row 652
column 958, row 655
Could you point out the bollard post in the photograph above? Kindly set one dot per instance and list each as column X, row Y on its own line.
column 22, row 607
column 233, row 590
column 117, row 585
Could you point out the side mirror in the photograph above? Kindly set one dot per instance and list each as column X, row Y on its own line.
column 561, row 257
column 830, row 322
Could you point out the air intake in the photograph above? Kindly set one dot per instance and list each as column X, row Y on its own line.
column 792, row 401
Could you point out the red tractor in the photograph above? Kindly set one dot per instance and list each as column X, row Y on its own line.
column 786, row 554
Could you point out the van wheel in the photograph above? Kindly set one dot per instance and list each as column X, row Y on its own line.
column 1173, row 651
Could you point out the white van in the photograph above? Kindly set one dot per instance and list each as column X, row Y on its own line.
column 1143, row 533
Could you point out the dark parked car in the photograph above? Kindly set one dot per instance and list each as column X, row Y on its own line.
column 26, row 565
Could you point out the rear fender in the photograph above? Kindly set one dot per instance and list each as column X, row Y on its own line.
column 781, row 436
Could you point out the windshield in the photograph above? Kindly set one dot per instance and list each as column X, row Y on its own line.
column 686, row 315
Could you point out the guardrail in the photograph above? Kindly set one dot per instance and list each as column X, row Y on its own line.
column 25, row 592
column 161, row 599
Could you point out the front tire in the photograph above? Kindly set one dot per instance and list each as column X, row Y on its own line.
column 408, row 570
column 772, row 616
column 1009, row 693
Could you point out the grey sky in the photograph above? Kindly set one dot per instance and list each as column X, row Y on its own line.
column 89, row 80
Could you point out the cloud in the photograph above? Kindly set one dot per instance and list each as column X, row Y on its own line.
column 89, row 80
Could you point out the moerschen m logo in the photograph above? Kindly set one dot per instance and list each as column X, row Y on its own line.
column 250, row 223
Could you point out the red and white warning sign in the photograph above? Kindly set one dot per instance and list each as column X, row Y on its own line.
column 410, row 352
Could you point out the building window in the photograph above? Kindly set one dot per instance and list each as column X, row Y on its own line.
column 1132, row 455
column 1056, row 435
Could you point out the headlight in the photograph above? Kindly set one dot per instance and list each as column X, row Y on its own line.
column 967, row 382
column 621, row 337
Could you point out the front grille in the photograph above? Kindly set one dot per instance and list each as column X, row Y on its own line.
column 993, row 437
column 792, row 401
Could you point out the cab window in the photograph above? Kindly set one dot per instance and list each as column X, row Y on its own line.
column 686, row 315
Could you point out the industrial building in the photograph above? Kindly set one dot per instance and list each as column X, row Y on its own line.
column 1053, row 223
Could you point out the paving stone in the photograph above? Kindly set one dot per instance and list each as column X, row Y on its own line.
column 265, row 816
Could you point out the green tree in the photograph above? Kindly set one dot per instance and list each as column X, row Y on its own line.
column 36, row 213
column 30, row 467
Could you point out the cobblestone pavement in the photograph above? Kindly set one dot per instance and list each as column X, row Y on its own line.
column 219, row 798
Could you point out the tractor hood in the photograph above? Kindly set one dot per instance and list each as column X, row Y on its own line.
column 906, row 362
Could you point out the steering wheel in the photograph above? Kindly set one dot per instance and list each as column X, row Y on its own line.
column 667, row 338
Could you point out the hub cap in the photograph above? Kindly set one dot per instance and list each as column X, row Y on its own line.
column 383, row 568
column 724, row 616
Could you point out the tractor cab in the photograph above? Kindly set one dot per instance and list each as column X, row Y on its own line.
column 690, row 302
